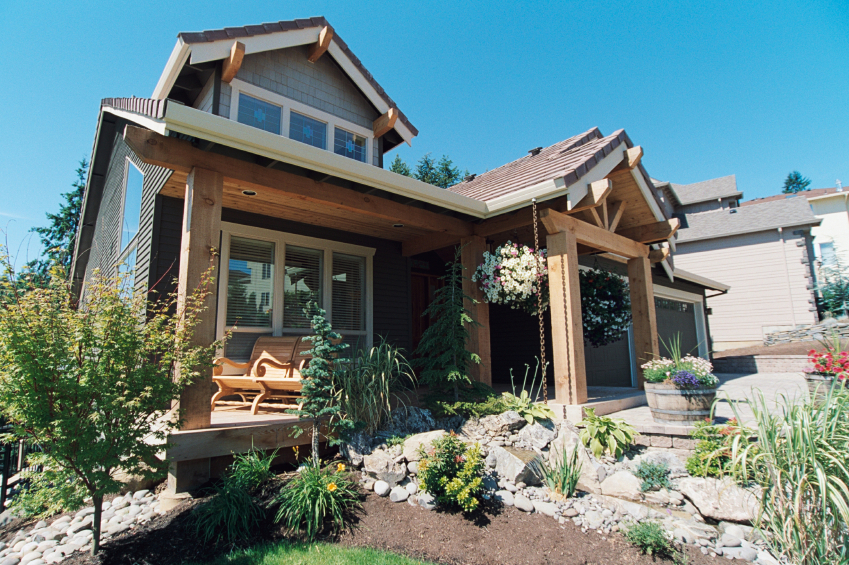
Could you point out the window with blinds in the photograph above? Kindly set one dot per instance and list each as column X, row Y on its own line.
column 302, row 282
column 249, row 290
column 349, row 292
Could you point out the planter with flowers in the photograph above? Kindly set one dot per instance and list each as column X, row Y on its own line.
column 681, row 390
column 828, row 369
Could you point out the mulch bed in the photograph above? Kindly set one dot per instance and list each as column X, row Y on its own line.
column 795, row 348
column 499, row 535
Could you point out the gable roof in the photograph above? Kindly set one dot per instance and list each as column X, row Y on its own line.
column 764, row 216
column 704, row 191
column 809, row 194
column 271, row 36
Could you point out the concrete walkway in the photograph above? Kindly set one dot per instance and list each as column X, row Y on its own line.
column 737, row 388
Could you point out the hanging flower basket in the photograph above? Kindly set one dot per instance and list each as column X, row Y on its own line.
column 605, row 307
column 512, row 276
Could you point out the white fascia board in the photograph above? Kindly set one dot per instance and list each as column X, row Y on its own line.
column 152, row 124
column 698, row 279
column 366, row 88
column 648, row 194
column 172, row 70
column 193, row 122
column 830, row 195
column 220, row 49
column 557, row 187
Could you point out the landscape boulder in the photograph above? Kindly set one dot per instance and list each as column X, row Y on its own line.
column 423, row 441
column 383, row 466
column 720, row 499
column 539, row 434
column 622, row 484
column 592, row 470
column 357, row 447
column 502, row 423
column 514, row 464
column 412, row 420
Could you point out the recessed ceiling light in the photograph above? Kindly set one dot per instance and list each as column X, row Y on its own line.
column 249, row 192
column 397, row 225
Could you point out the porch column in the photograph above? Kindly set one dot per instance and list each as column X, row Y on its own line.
column 642, row 312
column 199, row 250
column 471, row 256
column 567, row 330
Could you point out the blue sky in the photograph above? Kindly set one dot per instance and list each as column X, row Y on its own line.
column 755, row 89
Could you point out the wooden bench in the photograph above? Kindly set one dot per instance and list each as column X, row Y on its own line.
column 278, row 351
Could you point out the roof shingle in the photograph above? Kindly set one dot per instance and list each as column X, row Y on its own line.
column 713, row 189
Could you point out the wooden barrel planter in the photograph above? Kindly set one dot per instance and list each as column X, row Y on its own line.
column 819, row 386
column 679, row 406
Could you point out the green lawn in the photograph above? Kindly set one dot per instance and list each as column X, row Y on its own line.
column 311, row 554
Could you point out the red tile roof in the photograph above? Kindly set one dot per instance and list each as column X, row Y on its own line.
column 290, row 25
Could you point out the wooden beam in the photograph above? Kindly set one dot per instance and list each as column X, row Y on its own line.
column 198, row 252
column 567, row 331
column 633, row 157
column 595, row 237
column 642, row 313
column 615, row 214
column 596, row 193
column 651, row 233
column 233, row 62
column 595, row 218
column 320, row 47
column 658, row 255
column 385, row 123
column 604, row 217
column 179, row 155
column 471, row 256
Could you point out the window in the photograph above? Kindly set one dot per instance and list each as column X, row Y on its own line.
column 302, row 283
column 259, row 114
column 350, row 145
column 133, row 184
column 248, row 292
column 349, row 291
column 266, row 270
column 827, row 254
column 127, row 272
column 307, row 130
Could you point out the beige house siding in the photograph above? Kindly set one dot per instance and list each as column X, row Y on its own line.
column 769, row 277
column 834, row 212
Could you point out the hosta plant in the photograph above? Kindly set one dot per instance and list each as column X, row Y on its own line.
column 603, row 433
column 451, row 472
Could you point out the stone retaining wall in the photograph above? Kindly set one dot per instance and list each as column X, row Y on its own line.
column 809, row 333
column 761, row 364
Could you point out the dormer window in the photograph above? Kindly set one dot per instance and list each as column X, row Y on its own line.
column 261, row 115
column 350, row 145
column 307, row 130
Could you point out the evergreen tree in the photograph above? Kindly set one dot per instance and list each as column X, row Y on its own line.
column 442, row 352
column 400, row 167
column 59, row 236
column 795, row 182
column 317, row 377
column 426, row 170
column 447, row 174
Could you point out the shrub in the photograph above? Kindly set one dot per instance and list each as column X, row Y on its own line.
column 561, row 478
column 603, row 433
column 365, row 385
column 800, row 462
column 252, row 469
column 451, row 472
column 525, row 401
column 713, row 452
column 475, row 399
column 655, row 476
column 317, row 499
column 396, row 440
column 651, row 539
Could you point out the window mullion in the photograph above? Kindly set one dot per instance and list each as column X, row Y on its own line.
column 279, row 276
column 327, row 293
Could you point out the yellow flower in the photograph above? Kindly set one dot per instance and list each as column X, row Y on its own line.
column 331, row 487
column 340, row 467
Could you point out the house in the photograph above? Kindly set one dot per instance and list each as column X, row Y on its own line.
column 260, row 154
column 763, row 250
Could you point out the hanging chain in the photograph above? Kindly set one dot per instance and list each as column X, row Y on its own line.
column 539, row 305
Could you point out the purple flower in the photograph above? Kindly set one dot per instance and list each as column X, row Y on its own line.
column 685, row 379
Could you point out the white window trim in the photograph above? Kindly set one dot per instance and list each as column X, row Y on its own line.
column 698, row 304
column 287, row 105
column 280, row 240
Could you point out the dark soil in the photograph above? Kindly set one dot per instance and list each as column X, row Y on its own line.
column 796, row 348
column 498, row 535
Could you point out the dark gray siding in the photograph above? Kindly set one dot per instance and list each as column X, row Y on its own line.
column 107, row 230
column 391, row 270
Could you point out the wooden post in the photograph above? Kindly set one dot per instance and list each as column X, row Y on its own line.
column 199, row 249
column 567, row 330
column 471, row 256
column 642, row 312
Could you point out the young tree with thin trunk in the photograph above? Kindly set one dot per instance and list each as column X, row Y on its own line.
column 91, row 384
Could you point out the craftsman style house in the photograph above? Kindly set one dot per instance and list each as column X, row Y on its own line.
column 261, row 152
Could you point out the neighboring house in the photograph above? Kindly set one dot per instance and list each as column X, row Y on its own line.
column 261, row 152
column 831, row 205
column 763, row 251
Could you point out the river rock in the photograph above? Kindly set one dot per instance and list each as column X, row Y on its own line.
column 523, row 503
column 381, row 488
column 593, row 519
column 744, row 553
column 413, row 445
column 514, row 464
column 383, row 466
column 398, row 494
column 547, row 508
column 622, row 484
column 426, row 501
column 539, row 434
column 720, row 499
column 505, row 497
column 728, row 540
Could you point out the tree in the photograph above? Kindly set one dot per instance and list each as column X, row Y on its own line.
column 442, row 352
column 92, row 385
column 59, row 235
column 795, row 182
column 317, row 389
column 442, row 173
column 400, row 167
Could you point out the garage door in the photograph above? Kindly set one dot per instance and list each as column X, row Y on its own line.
column 676, row 318
column 609, row 365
